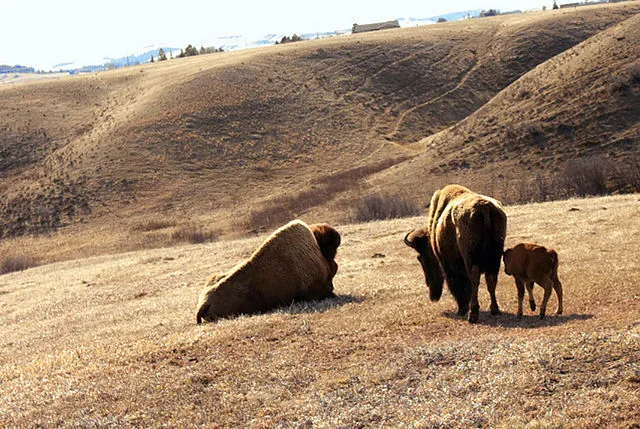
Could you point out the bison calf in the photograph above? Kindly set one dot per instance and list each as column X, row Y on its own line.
column 530, row 263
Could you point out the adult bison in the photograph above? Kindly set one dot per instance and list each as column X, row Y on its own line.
column 464, row 238
column 295, row 263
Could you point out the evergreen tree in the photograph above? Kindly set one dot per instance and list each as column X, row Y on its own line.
column 190, row 51
column 152, row 59
column 161, row 55
column 555, row 5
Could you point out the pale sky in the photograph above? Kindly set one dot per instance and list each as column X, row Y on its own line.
column 41, row 33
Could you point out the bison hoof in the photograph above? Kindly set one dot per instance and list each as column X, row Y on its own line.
column 541, row 316
column 532, row 305
column 495, row 311
column 519, row 316
column 473, row 317
column 462, row 311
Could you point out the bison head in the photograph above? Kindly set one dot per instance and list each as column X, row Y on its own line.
column 419, row 241
column 328, row 239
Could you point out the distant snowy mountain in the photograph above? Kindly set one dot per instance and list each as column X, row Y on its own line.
column 142, row 57
column 454, row 16
column 232, row 43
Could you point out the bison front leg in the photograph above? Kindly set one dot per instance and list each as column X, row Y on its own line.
column 520, row 287
column 474, row 306
column 492, row 281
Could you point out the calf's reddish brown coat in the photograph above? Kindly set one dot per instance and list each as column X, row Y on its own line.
column 530, row 263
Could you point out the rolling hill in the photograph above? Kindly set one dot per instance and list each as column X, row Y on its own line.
column 583, row 104
column 242, row 141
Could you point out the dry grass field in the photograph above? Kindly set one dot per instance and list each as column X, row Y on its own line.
column 111, row 341
column 122, row 191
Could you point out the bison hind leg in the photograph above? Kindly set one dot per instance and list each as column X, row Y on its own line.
column 460, row 287
column 532, row 300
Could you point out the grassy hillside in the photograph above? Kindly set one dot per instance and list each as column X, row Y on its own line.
column 241, row 141
column 575, row 115
column 111, row 341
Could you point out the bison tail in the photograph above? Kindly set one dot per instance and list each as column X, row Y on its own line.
column 487, row 254
column 554, row 259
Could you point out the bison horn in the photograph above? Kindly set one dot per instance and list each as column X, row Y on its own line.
column 406, row 240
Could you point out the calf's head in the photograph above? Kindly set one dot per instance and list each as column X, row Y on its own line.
column 506, row 257
column 420, row 242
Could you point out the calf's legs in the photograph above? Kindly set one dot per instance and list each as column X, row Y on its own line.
column 548, row 285
column 520, row 287
column 532, row 301
column 557, row 286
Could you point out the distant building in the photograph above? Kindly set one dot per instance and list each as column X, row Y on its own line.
column 566, row 5
column 376, row 26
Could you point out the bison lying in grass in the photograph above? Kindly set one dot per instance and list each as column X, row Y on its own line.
column 295, row 263
column 530, row 263
column 464, row 238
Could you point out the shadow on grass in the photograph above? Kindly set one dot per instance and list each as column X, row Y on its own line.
column 318, row 306
column 309, row 306
column 510, row 320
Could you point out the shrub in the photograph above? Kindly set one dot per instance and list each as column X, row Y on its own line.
column 287, row 207
column 377, row 207
column 193, row 234
column 586, row 176
column 625, row 177
column 12, row 263
column 153, row 225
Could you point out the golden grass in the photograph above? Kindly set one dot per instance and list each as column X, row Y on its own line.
column 112, row 340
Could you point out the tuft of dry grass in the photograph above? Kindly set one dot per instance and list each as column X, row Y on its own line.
column 193, row 234
column 14, row 262
column 153, row 225
column 380, row 207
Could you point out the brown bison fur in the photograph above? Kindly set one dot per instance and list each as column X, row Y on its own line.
column 290, row 265
column 328, row 240
column 464, row 238
column 529, row 263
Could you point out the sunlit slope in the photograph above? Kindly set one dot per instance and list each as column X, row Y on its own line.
column 583, row 103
